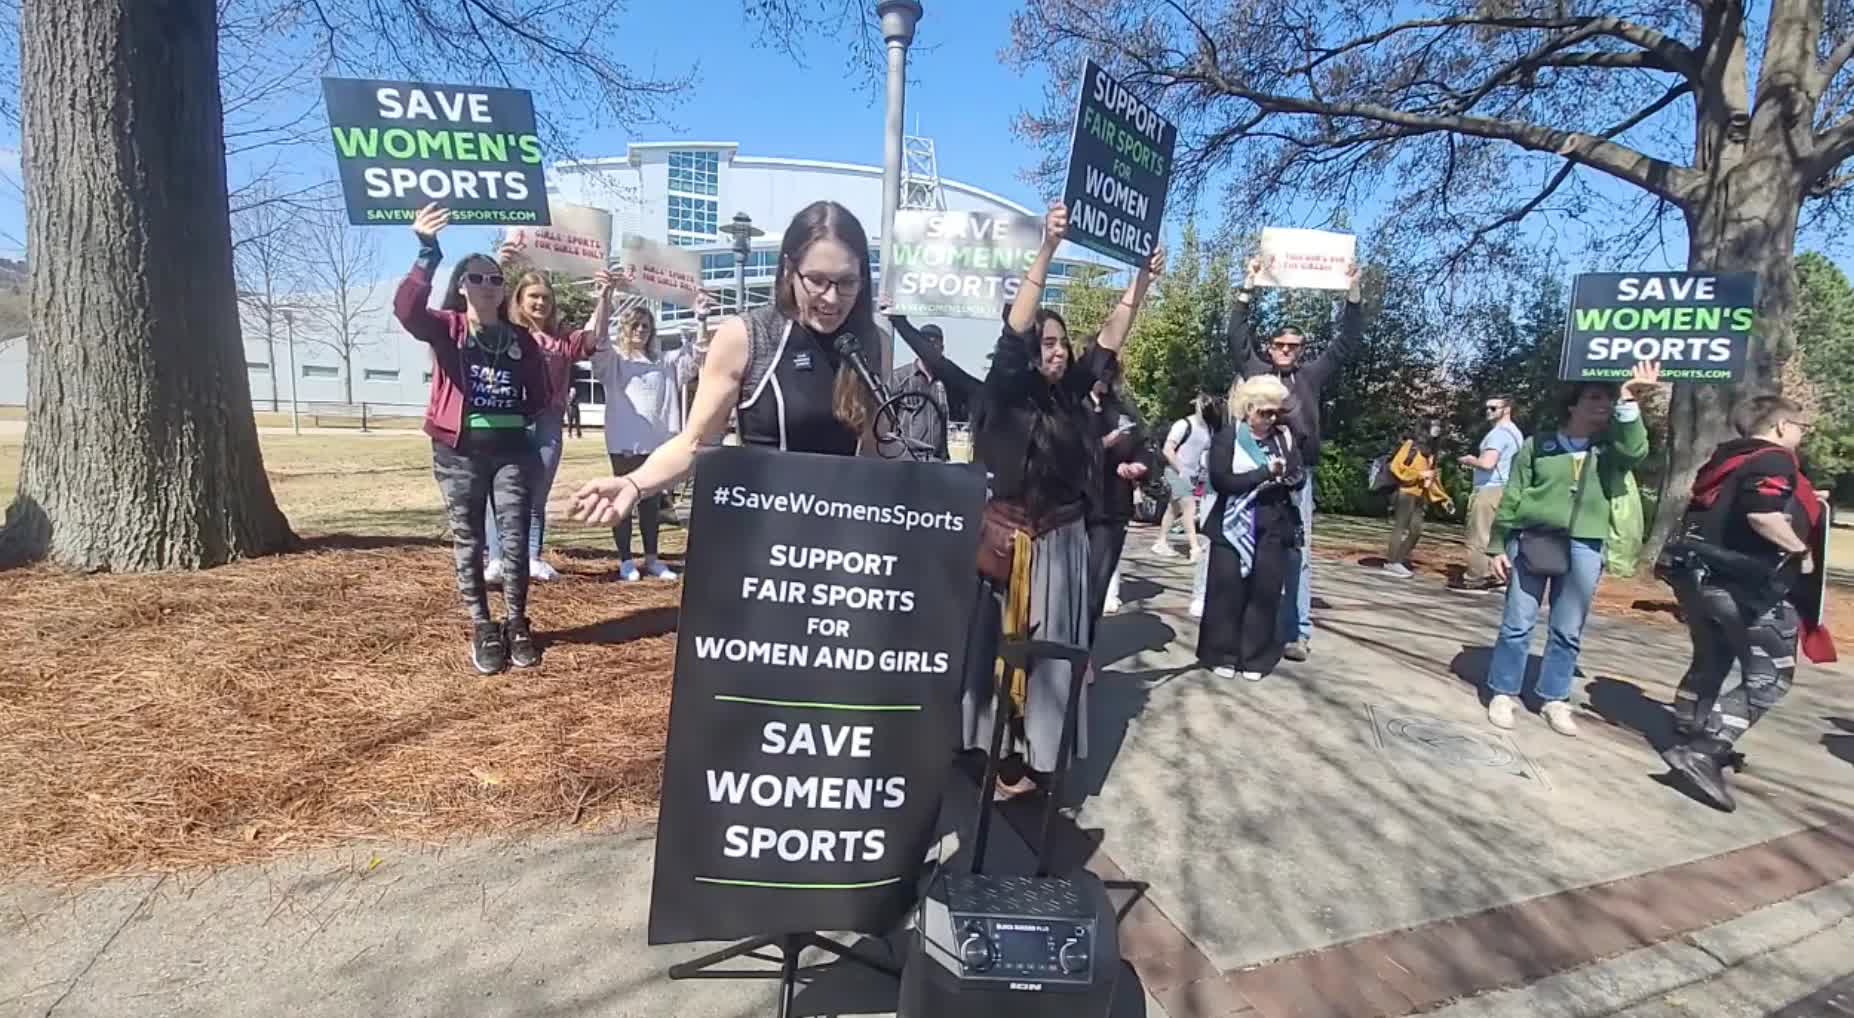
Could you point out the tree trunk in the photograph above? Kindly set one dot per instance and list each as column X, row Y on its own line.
column 141, row 452
column 1744, row 223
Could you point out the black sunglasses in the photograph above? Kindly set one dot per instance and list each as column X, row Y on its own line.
column 479, row 278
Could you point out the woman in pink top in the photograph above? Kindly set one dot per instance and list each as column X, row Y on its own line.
column 532, row 306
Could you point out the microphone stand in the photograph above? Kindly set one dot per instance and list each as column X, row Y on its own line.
column 848, row 347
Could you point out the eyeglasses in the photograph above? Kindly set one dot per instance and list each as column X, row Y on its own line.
column 1267, row 411
column 1803, row 426
column 1494, row 408
column 480, row 278
column 817, row 284
column 1288, row 347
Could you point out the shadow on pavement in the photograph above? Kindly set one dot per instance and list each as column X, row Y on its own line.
column 1624, row 705
column 1840, row 745
column 623, row 629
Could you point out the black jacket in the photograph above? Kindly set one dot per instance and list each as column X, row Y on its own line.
column 1307, row 381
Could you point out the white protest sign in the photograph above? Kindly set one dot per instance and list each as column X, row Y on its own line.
column 659, row 271
column 578, row 242
column 1305, row 259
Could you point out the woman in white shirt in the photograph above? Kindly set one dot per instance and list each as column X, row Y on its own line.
column 643, row 408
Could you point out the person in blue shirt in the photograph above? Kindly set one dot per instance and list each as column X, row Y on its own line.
column 1491, row 466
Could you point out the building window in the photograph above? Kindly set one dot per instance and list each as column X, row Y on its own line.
column 718, row 267
column 693, row 215
column 320, row 371
column 381, row 374
column 591, row 391
column 695, row 172
column 256, row 366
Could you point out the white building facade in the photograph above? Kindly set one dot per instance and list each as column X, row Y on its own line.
column 678, row 193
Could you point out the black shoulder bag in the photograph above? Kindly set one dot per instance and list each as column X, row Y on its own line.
column 1547, row 550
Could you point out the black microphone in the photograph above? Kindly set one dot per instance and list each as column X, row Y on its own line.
column 850, row 347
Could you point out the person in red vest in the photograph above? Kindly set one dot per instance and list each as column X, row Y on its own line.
column 1740, row 567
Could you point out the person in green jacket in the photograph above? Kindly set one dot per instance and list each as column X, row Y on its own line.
column 1602, row 426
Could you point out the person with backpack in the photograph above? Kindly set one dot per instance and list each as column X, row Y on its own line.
column 1553, row 520
column 1185, row 473
column 1306, row 383
column 1418, row 484
column 1738, row 568
column 1492, row 466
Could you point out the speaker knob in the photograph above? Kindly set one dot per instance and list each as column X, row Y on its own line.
column 975, row 951
column 1074, row 956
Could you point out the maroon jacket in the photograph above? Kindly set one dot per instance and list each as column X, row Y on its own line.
column 445, row 331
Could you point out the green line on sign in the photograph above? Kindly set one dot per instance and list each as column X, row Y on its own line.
column 819, row 706
column 797, row 887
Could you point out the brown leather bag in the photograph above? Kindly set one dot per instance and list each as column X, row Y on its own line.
column 998, row 530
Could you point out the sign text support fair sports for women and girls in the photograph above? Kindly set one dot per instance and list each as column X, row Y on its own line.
column 402, row 145
column 1120, row 167
column 1698, row 325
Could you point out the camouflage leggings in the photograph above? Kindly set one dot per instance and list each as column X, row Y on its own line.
column 1763, row 647
column 467, row 480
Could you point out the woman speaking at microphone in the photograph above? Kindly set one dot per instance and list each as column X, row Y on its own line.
column 776, row 368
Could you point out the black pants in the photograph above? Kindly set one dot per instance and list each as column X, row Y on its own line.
column 1763, row 645
column 468, row 478
column 1105, row 540
column 1241, row 625
column 648, row 511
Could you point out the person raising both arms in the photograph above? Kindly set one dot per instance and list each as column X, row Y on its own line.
column 776, row 368
column 487, row 384
column 940, row 382
column 532, row 307
column 1306, row 383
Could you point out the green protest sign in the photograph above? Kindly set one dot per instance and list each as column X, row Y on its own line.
column 961, row 264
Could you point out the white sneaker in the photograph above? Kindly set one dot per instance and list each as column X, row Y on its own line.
column 1559, row 716
column 1398, row 570
column 492, row 572
column 1197, row 609
column 657, row 570
column 1164, row 549
column 1500, row 711
column 1252, row 676
column 1112, row 605
column 541, row 572
column 627, row 571
column 1223, row 672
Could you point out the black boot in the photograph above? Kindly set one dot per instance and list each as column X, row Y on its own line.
column 488, row 652
column 1702, row 763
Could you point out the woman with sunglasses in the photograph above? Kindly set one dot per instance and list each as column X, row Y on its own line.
column 487, row 383
column 775, row 368
column 1254, row 528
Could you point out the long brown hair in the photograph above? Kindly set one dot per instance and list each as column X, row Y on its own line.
column 639, row 318
column 519, row 316
column 850, row 400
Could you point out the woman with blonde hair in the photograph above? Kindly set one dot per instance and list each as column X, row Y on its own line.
column 1254, row 526
column 643, row 408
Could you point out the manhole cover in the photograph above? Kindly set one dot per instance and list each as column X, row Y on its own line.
column 1449, row 743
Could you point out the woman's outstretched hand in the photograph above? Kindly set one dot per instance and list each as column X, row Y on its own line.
column 429, row 221
column 603, row 502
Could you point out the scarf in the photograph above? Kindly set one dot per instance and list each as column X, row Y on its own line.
column 1239, row 515
column 1817, row 643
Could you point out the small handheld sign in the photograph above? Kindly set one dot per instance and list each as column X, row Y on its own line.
column 1120, row 168
column 402, row 145
column 815, row 712
column 1698, row 325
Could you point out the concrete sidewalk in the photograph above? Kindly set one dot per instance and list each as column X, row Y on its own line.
column 1347, row 837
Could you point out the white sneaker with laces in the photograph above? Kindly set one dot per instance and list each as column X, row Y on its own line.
column 1500, row 710
column 657, row 570
column 1398, row 570
column 1559, row 716
column 1223, row 672
column 1252, row 676
column 627, row 571
column 492, row 572
column 540, row 572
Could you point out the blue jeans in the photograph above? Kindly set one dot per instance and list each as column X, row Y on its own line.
column 1297, row 597
column 545, row 436
column 1570, row 599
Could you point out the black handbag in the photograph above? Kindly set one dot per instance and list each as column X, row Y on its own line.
column 1547, row 550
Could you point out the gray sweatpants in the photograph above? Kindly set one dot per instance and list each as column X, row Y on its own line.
column 468, row 480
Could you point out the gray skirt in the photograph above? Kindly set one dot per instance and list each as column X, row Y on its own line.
column 1058, row 611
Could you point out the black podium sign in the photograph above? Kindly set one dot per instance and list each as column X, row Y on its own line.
column 816, row 702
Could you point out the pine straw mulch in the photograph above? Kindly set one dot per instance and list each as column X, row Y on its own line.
column 152, row 723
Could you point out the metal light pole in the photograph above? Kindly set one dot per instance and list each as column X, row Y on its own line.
column 743, row 231
column 289, row 324
column 898, row 18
